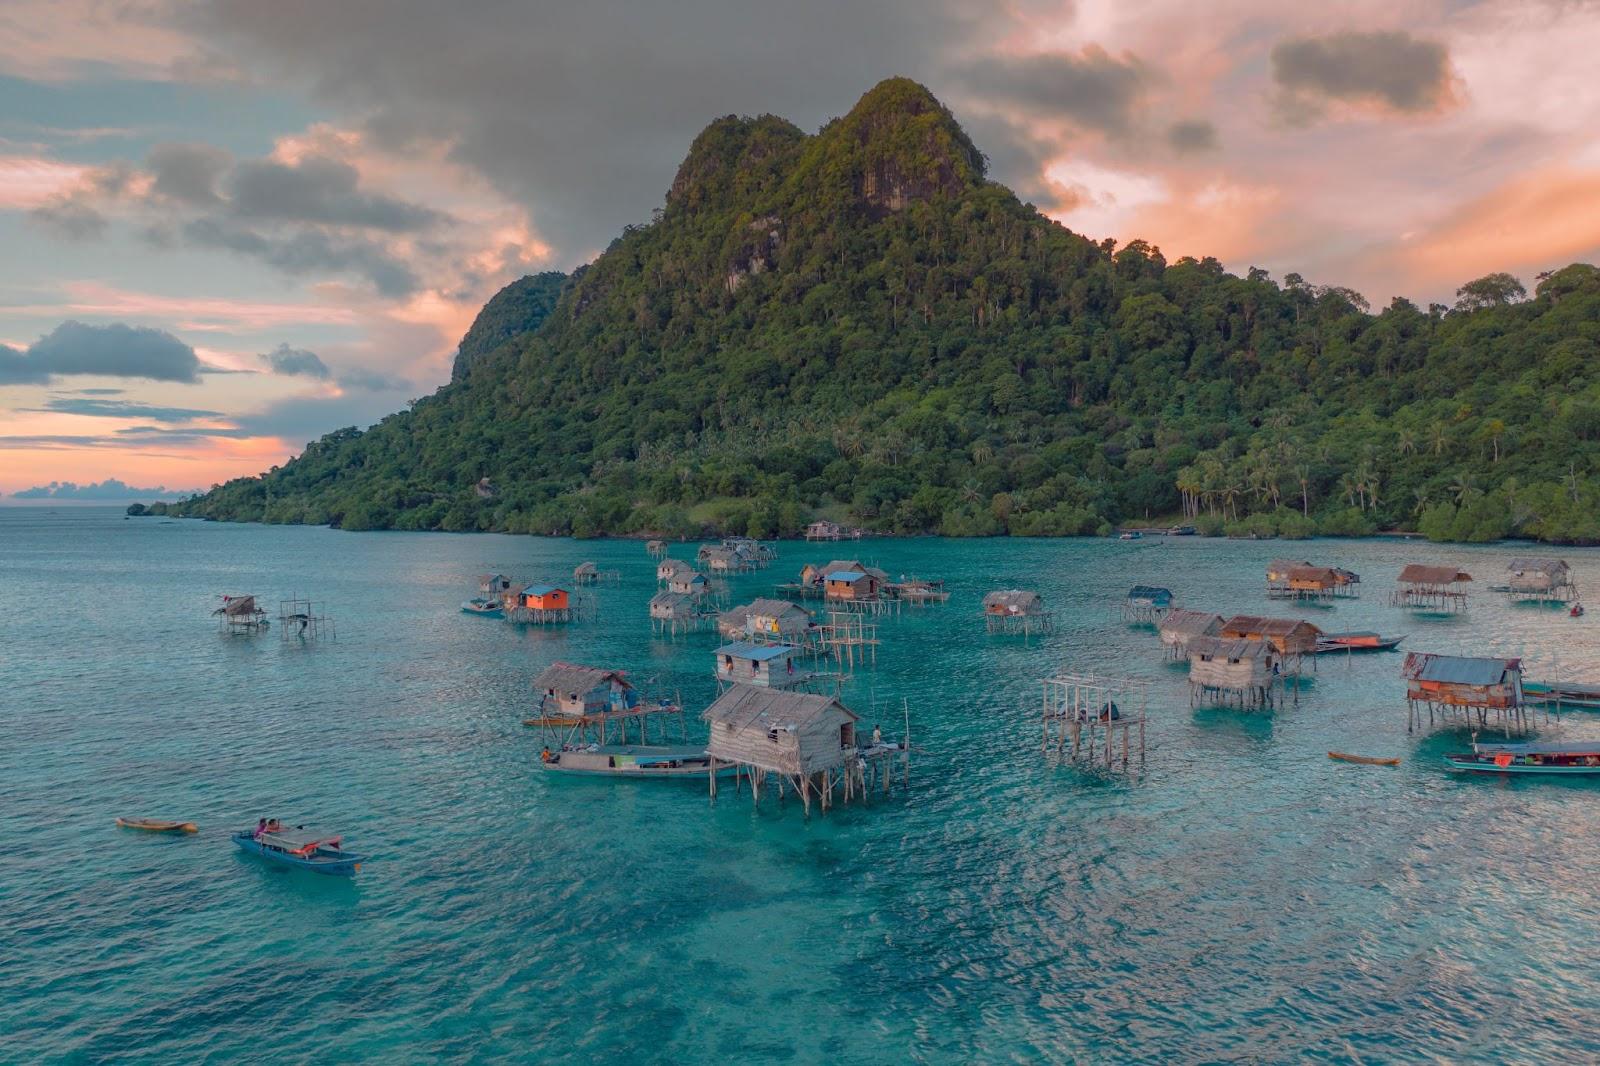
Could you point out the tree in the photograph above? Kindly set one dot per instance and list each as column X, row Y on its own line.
column 1491, row 290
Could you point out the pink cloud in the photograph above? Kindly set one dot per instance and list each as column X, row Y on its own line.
column 27, row 182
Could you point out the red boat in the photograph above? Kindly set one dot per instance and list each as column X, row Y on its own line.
column 1328, row 642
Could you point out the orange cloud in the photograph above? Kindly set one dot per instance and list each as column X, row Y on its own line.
column 1543, row 218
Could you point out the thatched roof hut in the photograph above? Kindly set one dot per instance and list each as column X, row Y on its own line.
column 1289, row 636
column 1178, row 627
column 788, row 733
column 1241, row 669
column 766, row 618
column 571, row 690
column 1538, row 575
column 1013, row 602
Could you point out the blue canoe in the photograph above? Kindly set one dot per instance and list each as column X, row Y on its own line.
column 302, row 850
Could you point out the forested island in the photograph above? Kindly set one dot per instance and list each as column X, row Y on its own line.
column 857, row 325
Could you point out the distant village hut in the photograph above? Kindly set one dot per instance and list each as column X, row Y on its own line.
column 823, row 530
column 769, row 620
column 747, row 662
column 1438, row 588
column 725, row 561
column 540, row 605
column 667, row 569
column 494, row 584
column 675, row 612
column 805, row 742
column 586, row 574
column 1015, row 611
column 241, row 614
column 590, row 704
column 1146, row 603
column 1292, row 637
column 1289, row 580
column 1178, row 627
column 1245, row 673
column 917, row 592
column 1541, row 581
column 656, row 549
column 755, row 553
column 1459, row 690
column 689, row 583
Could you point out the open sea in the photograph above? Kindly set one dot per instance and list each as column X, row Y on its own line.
column 1243, row 898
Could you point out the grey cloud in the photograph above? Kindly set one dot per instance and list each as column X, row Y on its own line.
column 116, row 350
column 307, row 251
column 305, row 419
column 1095, row 89
column 372, row 381
column 1192, row 135
column 188, row 173
column 71, row 217
column 296, row 361
column 109, row 489
column 1392, row 69
column 653, row 75
column 96, row 408
column 322, row 190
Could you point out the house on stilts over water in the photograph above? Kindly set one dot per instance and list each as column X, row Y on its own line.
column 1015, row 611
column 765, row 620
column 540, row 605
column 807, row 743
column 677, row 612
column 590, row 574
column 1294, row 639
column 1146, row 603
column 241, row 614
column 576, row 706
column 1242, row 673
column 746, row 662
column 1178, row 626
column 1480, row 693
column 1291, row 580
column 1540, row 581
column 1434, row 588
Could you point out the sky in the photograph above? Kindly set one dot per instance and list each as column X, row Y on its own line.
column 233, row 226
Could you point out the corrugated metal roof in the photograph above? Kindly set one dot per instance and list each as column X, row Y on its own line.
column 744, row 706
column 850, row 576
column 1195, row 622
column 1153, row 593
column 539, row 590
column 1220, row 648
column 1456, row 669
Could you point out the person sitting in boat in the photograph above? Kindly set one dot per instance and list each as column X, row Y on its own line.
column 545, row 756
column 261, row 827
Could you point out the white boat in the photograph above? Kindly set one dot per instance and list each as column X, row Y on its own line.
column 633, row 760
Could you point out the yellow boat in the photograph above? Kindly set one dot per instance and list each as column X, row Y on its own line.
column 153, row 825
column 1367, row 760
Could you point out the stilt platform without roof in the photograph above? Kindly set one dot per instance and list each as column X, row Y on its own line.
column 1094, row 718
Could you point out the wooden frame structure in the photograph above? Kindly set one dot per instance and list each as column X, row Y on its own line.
column 917, row 592
column 1463, row 690
column 1436, row 588
column 581, row 705
column 1085, row 713
column 305, row 620
column 848, row 636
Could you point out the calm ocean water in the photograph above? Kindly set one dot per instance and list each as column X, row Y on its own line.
column 1244, row 898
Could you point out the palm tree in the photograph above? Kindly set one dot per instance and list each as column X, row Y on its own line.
column 1462, row 488
column 1407, row 443
column 1440, row 437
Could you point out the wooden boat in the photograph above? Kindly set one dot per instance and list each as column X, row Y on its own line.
column 1561, row 760
column 301, row 849
column 633, row 760
column 1351, row 642
column 155, row 825
column 1131, row 534
column 482, row 605
column 1566, row 694
column 1365, row 760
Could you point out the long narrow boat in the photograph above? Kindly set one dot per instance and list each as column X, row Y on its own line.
column 155, row 825
column 1567, row 693
column 1562, row 760
column 633, row 760
column 482, row 605
column 302, row 850
column 1367, row 760
column 1332, row 642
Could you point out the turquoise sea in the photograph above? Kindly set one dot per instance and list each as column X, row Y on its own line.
column 1243, row 898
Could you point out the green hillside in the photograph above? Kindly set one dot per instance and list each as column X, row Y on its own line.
column 857, row 324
